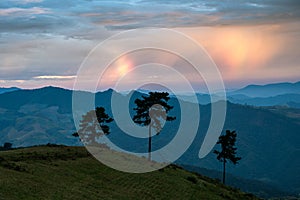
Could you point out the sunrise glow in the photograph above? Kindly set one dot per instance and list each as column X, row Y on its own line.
column 122, row 66
column 123, row 69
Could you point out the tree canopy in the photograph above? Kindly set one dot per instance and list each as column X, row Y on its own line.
column 94, row 125
column 152, row 110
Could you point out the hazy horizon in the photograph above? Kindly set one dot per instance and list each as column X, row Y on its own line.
column 146, row 89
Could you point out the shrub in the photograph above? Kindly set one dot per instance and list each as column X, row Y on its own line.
column 192, row 179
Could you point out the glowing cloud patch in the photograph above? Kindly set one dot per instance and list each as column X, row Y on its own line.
column 239, row 51
column 55, row 77
column 23, row 11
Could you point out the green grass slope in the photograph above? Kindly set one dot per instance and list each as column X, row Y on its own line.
column 72, row 173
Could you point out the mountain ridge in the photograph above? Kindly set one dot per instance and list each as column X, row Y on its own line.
column 269, row 90
column 9, row 89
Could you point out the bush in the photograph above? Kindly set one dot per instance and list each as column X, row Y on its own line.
column 192, row 179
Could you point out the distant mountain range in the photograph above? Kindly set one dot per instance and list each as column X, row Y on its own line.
column 269, row 90
column 290, row 100
column 268, row 138
column 11, row 89
column 283, row 94
column 276, row 94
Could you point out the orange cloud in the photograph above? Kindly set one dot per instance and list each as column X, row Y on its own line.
column 238, row 50
column 116, row 70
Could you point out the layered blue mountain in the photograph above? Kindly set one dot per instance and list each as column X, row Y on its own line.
column 11, row 89
column 269, row 90
column 268, row 139
column 279, row 94
column 283, row 94
column 289, row 100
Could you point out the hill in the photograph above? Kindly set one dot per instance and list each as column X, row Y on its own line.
column 40, row 116
column 71, row 173
column 283, row 94
column 291, row 100
column 267, row 142
column 256, row 187
column 269, row 90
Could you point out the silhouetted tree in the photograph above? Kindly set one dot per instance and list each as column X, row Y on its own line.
column 7, row 145
column 228, row 150
column 93, row 125
column 152, row 111
column 75, row 134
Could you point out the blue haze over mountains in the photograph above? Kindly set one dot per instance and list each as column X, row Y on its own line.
column 279, row 94
column 268, row 137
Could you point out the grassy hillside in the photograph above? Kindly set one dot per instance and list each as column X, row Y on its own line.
column 258, row 188
column 71, row 173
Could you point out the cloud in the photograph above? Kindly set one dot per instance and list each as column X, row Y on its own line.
column 26, row 1
column 50, row 77
column 44, row 40
column 27, row 56
column 23, row 11
column 252, row 53
column 78, row 18
column 12, row 81
column 157, row 13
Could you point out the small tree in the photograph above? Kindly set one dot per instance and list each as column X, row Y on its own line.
column 93, row 125
column 7, row 145
column 152, row 111
column 75, row 134
column 228, row 151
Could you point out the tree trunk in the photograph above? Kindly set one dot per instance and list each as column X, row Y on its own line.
column 149, row 144
column 224, row 163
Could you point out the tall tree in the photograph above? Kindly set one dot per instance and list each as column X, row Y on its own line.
column 152, row 111
column 93, row 125
column 228, row 150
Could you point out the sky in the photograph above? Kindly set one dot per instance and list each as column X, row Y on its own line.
column 44, row 42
